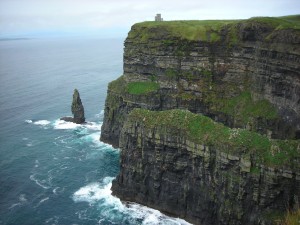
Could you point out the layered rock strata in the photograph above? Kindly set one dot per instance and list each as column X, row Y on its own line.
column 243, row 74
column 231, row 180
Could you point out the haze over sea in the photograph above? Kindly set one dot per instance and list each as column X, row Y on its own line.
column 55, row 172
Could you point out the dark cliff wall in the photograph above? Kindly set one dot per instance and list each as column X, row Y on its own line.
column 204, row 181
column 244, row 74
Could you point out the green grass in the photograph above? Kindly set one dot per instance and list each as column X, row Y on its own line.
column 172, row 74
column 139, row 88
column 279, row 23
column 244, row 107
column 206, row 30
column 120, row 86
column 190, row 30
column 203, row 130
column 292, row 218
column 254, row 170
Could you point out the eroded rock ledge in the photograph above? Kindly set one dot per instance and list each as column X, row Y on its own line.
column 241, row 77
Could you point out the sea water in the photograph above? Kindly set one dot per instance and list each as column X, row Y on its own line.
column 51, row 171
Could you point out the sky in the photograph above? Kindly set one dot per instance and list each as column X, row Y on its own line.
column 113, row 18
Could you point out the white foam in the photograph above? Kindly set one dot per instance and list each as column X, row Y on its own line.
column 40, row 183
column 52, row 220
column 22, row 198
column 151, row 219
column 64, row 125
column 101, row 193
column 28, row 121
column 58, row 190
column 42, row 122
column 95, row 191
column 14, row 205
column 93, row 137
column 153, row 216
column 36, row 163
column 99, row 115
column 93, row 126
column 43, row 200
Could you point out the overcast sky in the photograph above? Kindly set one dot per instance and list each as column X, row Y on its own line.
column 114, row 17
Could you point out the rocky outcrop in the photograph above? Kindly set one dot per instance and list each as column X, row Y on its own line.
column 243, row 74
column 77, row 110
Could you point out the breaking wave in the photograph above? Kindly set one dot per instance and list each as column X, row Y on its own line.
column 100, row 195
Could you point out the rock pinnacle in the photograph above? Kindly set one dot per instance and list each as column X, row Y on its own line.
column 77, row 110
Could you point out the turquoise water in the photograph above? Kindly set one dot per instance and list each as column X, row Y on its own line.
column 55, row 172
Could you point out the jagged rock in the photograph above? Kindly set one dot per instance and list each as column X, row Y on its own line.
column 77, row 110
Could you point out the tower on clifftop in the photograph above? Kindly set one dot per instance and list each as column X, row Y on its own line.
column 158, row 17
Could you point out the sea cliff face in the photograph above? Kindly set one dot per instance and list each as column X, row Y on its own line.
column 242, row 74
column 206, row 181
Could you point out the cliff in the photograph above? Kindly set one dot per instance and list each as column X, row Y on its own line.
column 222, row 161
column 189, row 166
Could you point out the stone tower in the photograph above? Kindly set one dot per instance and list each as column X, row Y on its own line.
column 158, row 17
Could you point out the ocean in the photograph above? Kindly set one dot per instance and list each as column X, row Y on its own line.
column 51, row 171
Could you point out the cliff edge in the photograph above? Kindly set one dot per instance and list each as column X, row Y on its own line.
column 207, row 117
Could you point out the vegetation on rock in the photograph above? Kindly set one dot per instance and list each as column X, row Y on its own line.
column 139, row 88
column 135, row 88
column 207, row 30
column 291, row 218
column 203, row 130
column 244, row 107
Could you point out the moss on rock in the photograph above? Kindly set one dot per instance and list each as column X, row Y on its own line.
column 203, row 130
column 139, row 88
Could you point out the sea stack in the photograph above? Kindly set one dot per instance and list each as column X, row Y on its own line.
column 77, row 110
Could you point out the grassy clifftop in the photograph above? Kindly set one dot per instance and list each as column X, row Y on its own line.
column 209, row 30
column 203, row 130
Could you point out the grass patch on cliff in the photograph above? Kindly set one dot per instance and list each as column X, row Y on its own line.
column 292, row 218
column 136, row 88
column 206, row 30
column 244, row 107
column 279, row 23
column 139, row 88
column 203, row 130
